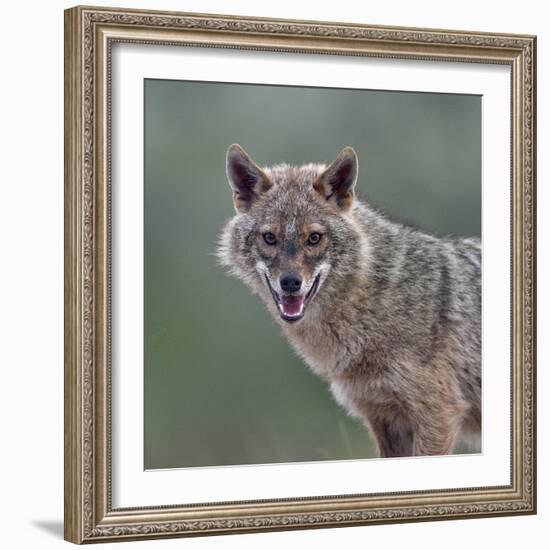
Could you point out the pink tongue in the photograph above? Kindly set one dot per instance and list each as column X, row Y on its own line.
column 292, row 305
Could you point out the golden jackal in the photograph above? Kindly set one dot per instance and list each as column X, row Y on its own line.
column 388, row 315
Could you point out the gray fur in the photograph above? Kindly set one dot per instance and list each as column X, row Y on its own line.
column 395, row 324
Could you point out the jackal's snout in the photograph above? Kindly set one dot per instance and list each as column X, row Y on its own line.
column 291, row 282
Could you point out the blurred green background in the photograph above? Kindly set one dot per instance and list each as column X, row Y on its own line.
column 222, row 386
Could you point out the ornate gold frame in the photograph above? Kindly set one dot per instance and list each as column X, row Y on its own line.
column 89, row 35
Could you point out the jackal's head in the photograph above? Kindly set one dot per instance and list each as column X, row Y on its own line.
column 293, row 239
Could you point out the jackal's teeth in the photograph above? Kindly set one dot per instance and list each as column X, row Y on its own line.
column 296, row 314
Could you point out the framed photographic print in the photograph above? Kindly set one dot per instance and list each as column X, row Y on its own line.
column 300, row 274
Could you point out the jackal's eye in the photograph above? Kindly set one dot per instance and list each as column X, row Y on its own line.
column 314, row 238
column 270, row 239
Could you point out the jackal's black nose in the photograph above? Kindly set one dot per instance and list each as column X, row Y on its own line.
column 291, row 282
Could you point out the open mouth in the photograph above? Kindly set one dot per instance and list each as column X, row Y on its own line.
column 292, row 306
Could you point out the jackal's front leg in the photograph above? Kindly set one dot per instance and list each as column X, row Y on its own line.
column 436, row 433
column 392, row 432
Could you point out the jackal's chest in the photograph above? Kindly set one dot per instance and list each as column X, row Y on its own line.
column 358, row 394
column 325, row 359
column 356, row 378
column 330, row 357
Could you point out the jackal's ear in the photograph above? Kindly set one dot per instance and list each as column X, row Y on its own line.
column 337, row 182
column 246, row 178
